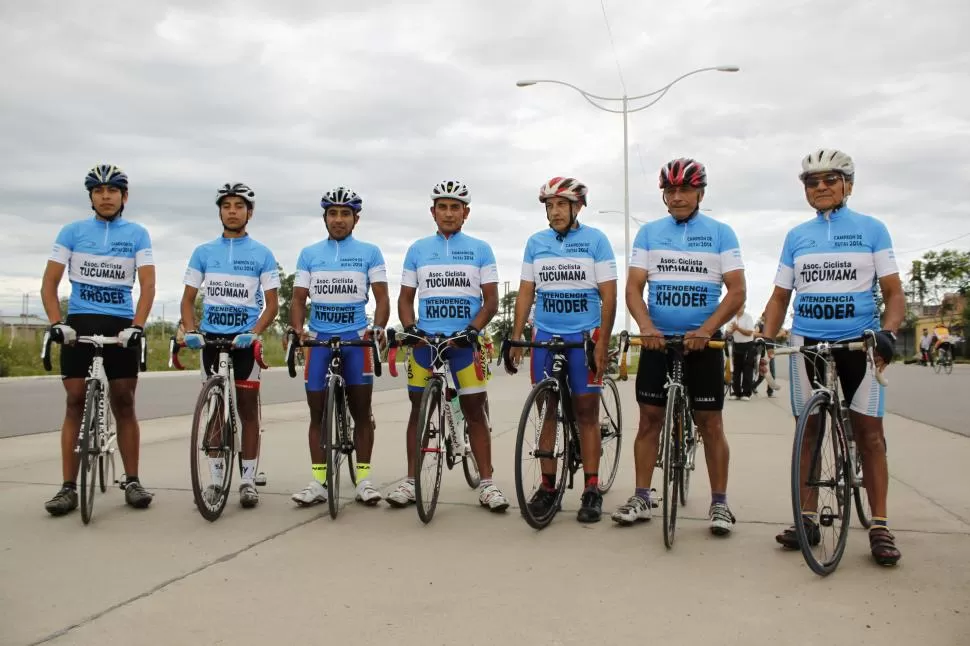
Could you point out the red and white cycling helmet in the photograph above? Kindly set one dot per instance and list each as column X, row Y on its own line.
column 568, row 187
column 683, row 172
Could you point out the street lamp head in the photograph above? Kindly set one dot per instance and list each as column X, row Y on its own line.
column 525, row 83
column 728, row 68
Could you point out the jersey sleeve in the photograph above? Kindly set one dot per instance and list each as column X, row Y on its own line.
column 143, row 250
column 604, row 260
column 785, row 276
column 195, row 272
column 409, row 277
column 883, row 256
column 269, row 277
column 377, row 271
column 730, row 250
column 641, row 245
column 63, row 245
column 528, row 263
column 489, row 267
column 302, row 277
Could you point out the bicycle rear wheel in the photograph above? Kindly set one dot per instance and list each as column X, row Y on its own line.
column 90, row 447
column 820, row 484
column 212, row 451
column 431, row 451
column 611, row 434
column 948, row 366
column 672, row 439
column 334, row 418
column 862, row 507
column 537, row 453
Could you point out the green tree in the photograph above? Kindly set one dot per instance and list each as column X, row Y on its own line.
column 938, row 274
column 285, row 296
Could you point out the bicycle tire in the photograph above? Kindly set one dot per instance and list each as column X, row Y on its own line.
column 948, row 366
column 430, row 443
column 332, row 444
column 202, row 421
column 690, row 458
column 469, row 465
column 612, row 436
column 937, row 366
column 820, row 405
column 541, row 392
column 89, row 447
column 672, row 465
column 102, row 478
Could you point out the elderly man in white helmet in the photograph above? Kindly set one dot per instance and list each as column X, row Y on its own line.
column 833, row 263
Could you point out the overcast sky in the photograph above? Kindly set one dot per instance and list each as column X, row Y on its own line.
column 389, row 98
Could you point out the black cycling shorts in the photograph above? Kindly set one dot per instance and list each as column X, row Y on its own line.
column 119, row 363
column 244, row 367
column 703, row 376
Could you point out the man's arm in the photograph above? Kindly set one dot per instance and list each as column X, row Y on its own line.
column 405, row 306
column 895, row 302
column 383, row 310
column 187, row 308
column 523, row 304
column 489, row 306
column 48, row 291
column 607, row 291
column 146, row 296
column 298, row 307
column 730, row 304
column 269, row 312
column 775, row 311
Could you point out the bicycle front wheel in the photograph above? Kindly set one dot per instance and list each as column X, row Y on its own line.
column 212, row 451
column 469, row 464
column 90, row 447
column 820, row 485
column 335, row 417
column 691, row 440
column 671, row 438
column 431, row 451
column 948, row 366
column 541, row 456
column 611, row 434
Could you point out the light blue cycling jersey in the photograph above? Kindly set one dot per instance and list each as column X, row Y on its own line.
column 567, row 271
column 685, row 264
column 235, row 272
column 833, row 263
column 102, row 259
column 448, row 274
column 338, row 275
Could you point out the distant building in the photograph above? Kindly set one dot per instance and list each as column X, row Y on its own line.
column 25, row 328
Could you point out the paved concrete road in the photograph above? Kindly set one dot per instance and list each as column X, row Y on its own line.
column 36, row 405
column 278, row 574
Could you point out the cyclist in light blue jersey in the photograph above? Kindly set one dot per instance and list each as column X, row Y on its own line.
column 834, row 262
column 569, row 274
column 236, row 274
column 336, row 274
column 685, row 258
column 102, row 255
column 456, row 281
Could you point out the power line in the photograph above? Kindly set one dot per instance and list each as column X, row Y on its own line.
column 938, row 244
column 609, row 31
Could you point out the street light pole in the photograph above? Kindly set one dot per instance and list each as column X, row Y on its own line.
column 624, row 100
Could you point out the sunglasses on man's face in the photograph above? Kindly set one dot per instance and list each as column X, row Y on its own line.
column 828, row 180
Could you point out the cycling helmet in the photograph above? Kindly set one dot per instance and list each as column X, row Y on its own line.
column 342, row 196
column 238, row 189
column 106, row 174
column 825, row 160
column 683, row 172
column 568, row 187
column 452, row 189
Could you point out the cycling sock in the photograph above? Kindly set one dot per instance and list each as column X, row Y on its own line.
column 643, row 494
column 320, row 473
column 718, row 498
column 69, row 485
column 363, row 471
column 217, row 469
column 129, row 479
column 410, row 480
column 248, row 471
column 811, row 516
column 591, row 479
column 485, row 483
column 549, row 481
column 879, row 521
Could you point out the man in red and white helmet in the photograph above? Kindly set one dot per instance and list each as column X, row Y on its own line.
column 569, row 272
column 686, row 257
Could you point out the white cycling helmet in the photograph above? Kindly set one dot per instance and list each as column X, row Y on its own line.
column 827, row 160
column 238, row 189
column 452, row 189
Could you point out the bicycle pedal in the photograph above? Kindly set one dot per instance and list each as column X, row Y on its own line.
column 260, row 480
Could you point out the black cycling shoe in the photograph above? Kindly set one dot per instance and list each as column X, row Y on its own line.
column 542, row 502
column 64, row 502
column 590, row 506
column 789, row 538
column 136, row 496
